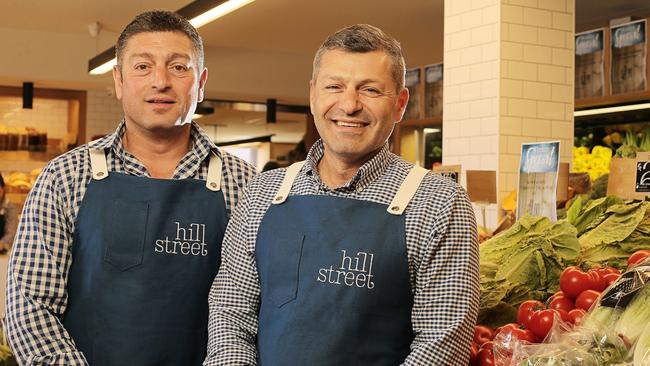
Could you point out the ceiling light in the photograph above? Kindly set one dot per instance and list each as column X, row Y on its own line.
column 196, row 116
column 431, row 130
column 621, row 108
column 199, row 12
column 217, row 12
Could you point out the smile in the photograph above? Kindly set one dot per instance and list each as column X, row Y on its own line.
column 160, row 101
column 350, row 124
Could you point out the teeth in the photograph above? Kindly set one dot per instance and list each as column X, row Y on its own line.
column 349, row 124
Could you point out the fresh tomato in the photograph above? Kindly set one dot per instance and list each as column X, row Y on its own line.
column 482, row 334
column 516, row 331
column 598, row 283
column 525, row 311
column 559, row 293
column 560, row 302
column 576, row 316
column 586, row 299
column 485, row 357
column 573, row 281
column 638, row 257
column 542, row 321
column 611, row 278
column 564, row 315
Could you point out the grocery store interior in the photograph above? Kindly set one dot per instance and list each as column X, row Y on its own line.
column 486, row 77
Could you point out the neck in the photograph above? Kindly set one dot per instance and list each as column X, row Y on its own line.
column 159, row 151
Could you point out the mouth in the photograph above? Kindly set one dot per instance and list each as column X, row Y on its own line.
column 348, row 123
column 160, row 101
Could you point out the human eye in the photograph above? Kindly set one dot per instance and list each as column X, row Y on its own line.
column 371, row 91
column 332, row 87
column 141, row 67
column 179, row 68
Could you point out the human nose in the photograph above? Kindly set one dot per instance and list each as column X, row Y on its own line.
column 160, row 78
column 350, row 102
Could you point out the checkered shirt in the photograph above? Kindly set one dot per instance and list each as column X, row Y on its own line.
column 442, row 249
column 41, row 257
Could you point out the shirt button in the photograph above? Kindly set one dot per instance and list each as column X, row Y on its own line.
column 358, row 189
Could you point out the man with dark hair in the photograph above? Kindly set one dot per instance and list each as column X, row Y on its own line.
column 354, row 256
column 120, row 239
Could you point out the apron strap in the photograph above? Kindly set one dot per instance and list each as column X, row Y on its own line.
column 213, row 181
column 98, row 163
column 289, row 176
column 407, row 190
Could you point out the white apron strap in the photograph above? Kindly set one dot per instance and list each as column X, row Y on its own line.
column 213, row 181
column 98, row 163
column 289, row 176
column 407, row 190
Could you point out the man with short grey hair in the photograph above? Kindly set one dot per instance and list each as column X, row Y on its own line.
column 354, row 256
column 120, row 239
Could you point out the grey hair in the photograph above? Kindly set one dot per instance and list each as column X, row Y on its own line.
column 362, row 38
column 160, row 21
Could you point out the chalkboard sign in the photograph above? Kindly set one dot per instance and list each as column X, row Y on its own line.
column 642, row 173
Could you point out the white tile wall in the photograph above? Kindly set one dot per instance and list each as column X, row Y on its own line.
column 103, row 113
column 49, row 115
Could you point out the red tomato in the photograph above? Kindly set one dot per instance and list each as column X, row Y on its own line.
column 542, row 321
column 638, row 257
column 559, row 293
column 564, row 315
column 482, row 334
column 598, row 283
column 608, row 270
column 573, row 281
column 516, row 331
column 560, row 302
column 611, row 278
column 586, row 299
column 526, row 310
column 576, row 316
column 485, row 357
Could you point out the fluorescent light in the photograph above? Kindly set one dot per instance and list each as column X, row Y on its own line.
column 104, row 68
column 622, row 108
column 431, row 130
column 105, row 61
column 218, row 11
column 196, row 116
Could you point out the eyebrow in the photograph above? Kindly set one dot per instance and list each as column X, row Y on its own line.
column 362, row 82
column 150, row 56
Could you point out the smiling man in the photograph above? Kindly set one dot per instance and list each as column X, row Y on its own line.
column 120, row 239
column 355, row 256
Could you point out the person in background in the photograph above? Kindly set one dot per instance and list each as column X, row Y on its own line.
column 8, row 219
column 120, row 239
column 354, row 256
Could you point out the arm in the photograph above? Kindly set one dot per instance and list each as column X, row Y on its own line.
column 234, row 296
column 36, row 280
column 447, row 288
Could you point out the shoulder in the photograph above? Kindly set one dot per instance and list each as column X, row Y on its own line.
column 67, row 165
column 238, row 168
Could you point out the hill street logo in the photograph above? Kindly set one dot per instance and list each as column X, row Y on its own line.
column 354, row 271
column 188, row 241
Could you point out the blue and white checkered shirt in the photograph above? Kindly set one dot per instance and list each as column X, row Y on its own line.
column 41, row 257
column 441, row 245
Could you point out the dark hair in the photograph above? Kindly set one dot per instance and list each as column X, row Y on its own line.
column 362, row 38
column 271, row 164
column 2, row 181
column 159, row 21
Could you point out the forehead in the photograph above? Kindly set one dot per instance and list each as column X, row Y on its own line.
column 366, row 65
column 159, row 42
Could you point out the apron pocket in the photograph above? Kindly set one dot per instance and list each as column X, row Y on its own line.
column 284, row 266
column 125, row 245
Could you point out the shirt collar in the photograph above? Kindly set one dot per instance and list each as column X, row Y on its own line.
column 367, row 173
column 202, row 145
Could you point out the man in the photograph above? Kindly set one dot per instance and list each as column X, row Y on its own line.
column 355, row 257
column 120, row 239
column 8, row 219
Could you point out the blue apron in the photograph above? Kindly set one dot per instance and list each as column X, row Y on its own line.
column 334, row 279
column 144, row 254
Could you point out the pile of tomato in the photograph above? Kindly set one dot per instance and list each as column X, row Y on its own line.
column 578, row 291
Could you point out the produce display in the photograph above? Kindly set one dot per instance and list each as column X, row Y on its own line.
column 595, row 163
column 599, row 317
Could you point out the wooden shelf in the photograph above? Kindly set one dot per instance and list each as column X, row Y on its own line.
column 425, row 122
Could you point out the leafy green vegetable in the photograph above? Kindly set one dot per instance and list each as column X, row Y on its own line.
column 525, row 261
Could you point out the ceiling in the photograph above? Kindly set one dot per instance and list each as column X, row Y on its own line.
column 279, row 27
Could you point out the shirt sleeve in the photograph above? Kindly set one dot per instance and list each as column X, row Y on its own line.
column 36, row 279
column 447, row 288
column 234, row 296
